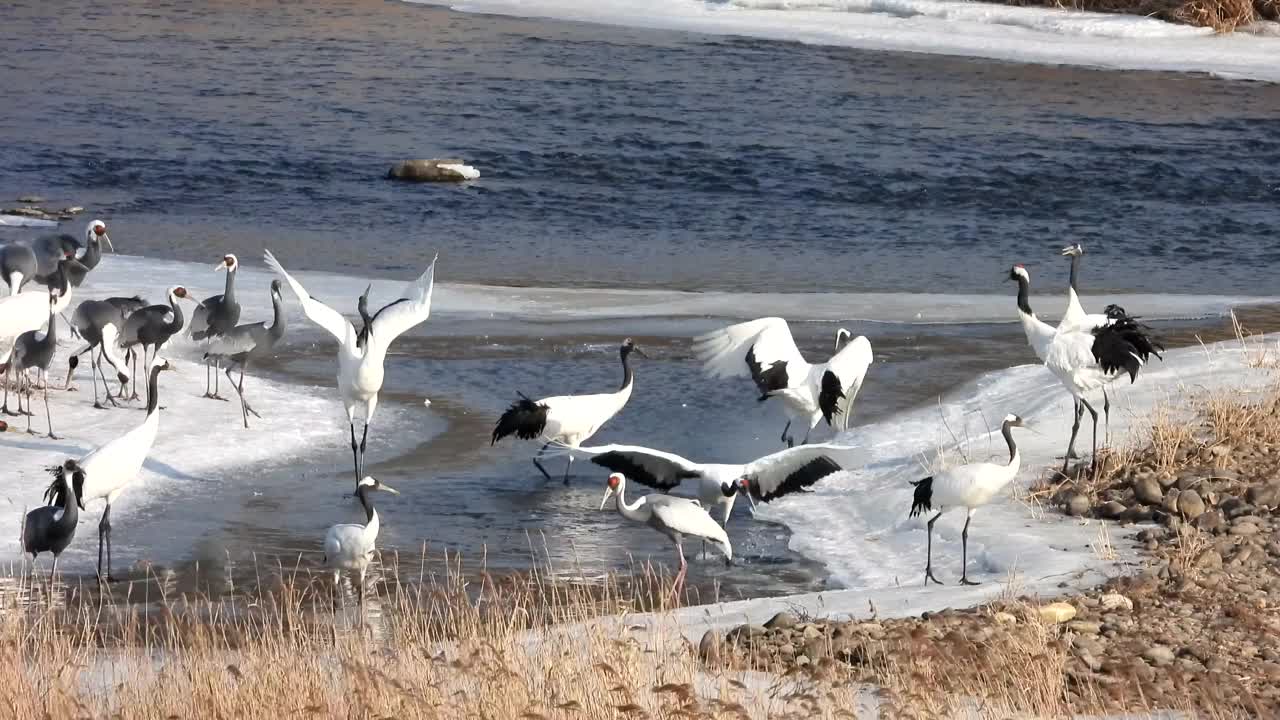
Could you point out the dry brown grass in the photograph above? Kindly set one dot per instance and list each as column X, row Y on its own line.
column 444, row 649
column 1221, row 15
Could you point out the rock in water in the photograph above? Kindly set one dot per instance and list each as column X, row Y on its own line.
column 438, row 170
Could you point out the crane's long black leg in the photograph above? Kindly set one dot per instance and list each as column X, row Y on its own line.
column 106, row 384
column 1093, row 413
column 47, row 415
column 964, row 553
column 207, row 383
column 928, row 564
column 364, row 435
column 104, row 538
column 355, row 459
column 244, row 414
column 537, row 461
column 1106, row 412
column 566, row 469
column 240, row 389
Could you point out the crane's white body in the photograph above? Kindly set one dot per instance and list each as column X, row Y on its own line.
column 350, row 546
column 573, row 419
column 360, row 368
column 675, row 517
column 110, row 468
column 768, row 341
column 718, row 483
column 1075, row 317
column 25, row 312
column 974, row 485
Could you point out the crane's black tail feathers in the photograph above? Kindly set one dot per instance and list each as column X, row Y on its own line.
column 922, row 500
column 1124, row 344
column 525, row 419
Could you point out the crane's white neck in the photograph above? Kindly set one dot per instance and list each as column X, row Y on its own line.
column 630, row 511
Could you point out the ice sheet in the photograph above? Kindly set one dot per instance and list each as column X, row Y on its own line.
column 946, row 27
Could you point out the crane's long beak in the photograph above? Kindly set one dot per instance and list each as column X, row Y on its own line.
column 608, row 493
column 388, row 488
column 222, row 265
column 750, row 501
column 641, row 353
column 108, row 239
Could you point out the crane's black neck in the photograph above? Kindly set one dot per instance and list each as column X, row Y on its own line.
column 59, row 280
column 178, row 317
column 1075, row 266
column 277, row 316
column 229, row 293
column 366, row 501
column 728, row 489
column 1024, row 295
column 1007, row 431
column 153, row 390
column 627, row 374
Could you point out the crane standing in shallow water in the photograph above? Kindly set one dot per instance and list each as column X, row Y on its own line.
column 674, row 517
column 350, row 546
column 569, row 420
column 361, row 355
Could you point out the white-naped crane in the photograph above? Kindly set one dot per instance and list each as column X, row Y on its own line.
column 51, row 527
column 214, row 316
column 50, row 250
column 568, row 420
column 1085, row 359
column 78, row 267
column 29, row 309
column 152, row 326
column 764, row 350
column 249, row 342
column 349, row 547
column 675, row 517
column 110, row 468
column 719, row 484
column 361, row 354
column 99, row 323
column 33, row 350
column 964, row 486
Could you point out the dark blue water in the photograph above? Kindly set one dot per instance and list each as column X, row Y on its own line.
column 633, row 157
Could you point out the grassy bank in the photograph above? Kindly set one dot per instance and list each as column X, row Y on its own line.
column 1221, row 15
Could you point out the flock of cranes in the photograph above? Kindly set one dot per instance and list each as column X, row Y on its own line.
column 1084, row 352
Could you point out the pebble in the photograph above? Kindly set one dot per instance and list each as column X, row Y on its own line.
column 1110, row 510
column 1264, row 495
column 1147, row 490
column 811, row 632
column 1158, row 655
column 1209, row 560
column 1190, row 505
column 1058, row 612
column 781, row 621
column 1115, row 601
column 1247, row 527
column 1005, row 618
column 1085, row 627
column 1077, row 504
column 1211, row 522
column 709, row 647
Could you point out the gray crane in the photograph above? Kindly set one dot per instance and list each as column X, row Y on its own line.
column 17, row 266
column 215, row 316
column 152, row 326
column 78, row 267
column 249, row 342
column 33, row 350
column 99, row 323
column 52, row 249
column 51, row 528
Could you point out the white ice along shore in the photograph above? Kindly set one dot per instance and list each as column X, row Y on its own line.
column 945, row 27
column 856, row 522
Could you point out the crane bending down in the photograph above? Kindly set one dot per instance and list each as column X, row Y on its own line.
column 719, row 485
column 1083, row 359
column 764, row 350
column 566, row 419
column 99, row 323
column 964, row 486
column 33, row 350
column 361, row 355
column 52, row 528
column 674, row 517
column 350, row 546
column 109, row 469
